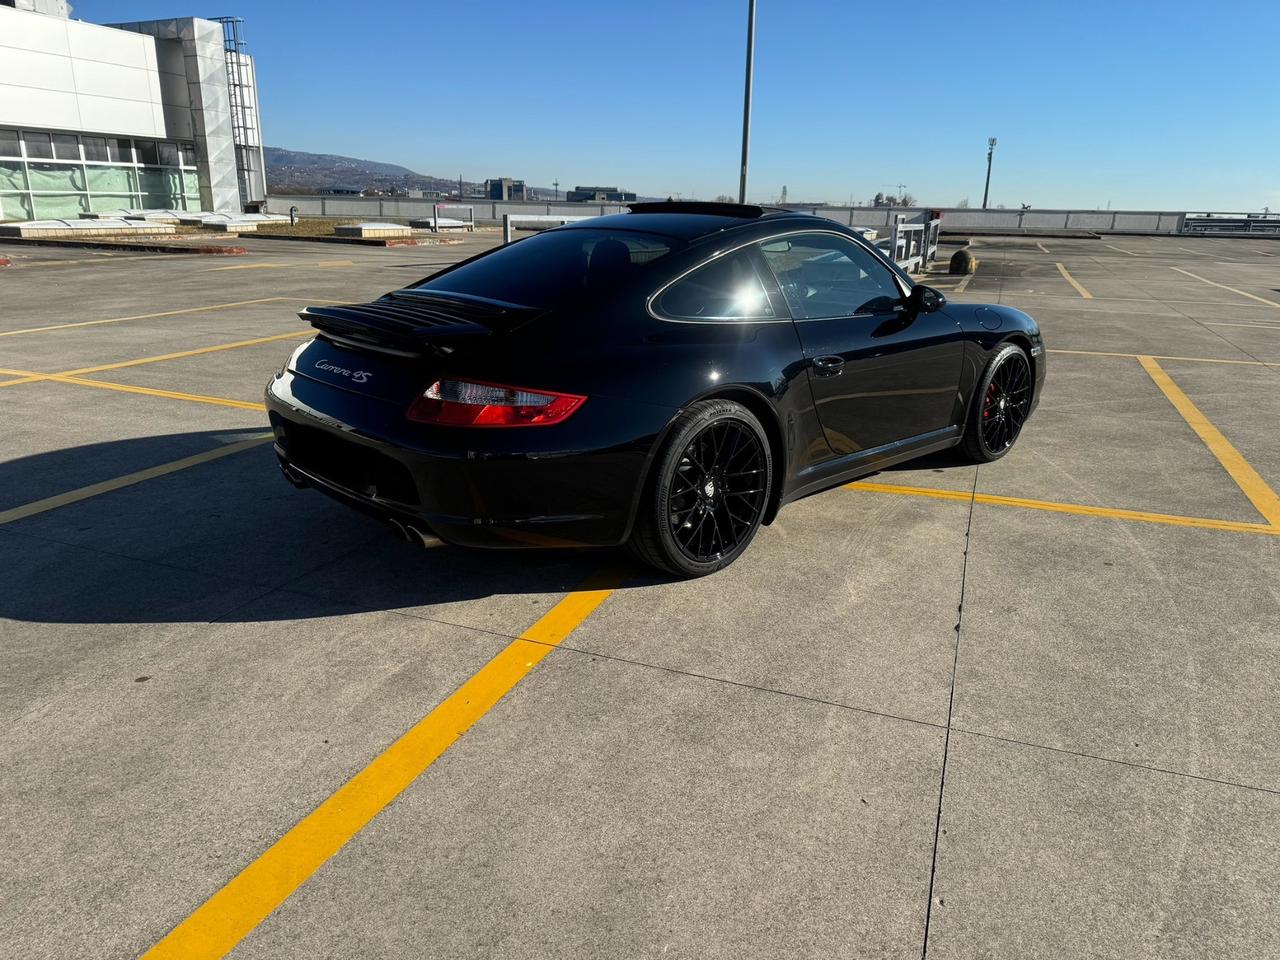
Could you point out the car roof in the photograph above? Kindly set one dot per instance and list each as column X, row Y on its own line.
column 687, row 220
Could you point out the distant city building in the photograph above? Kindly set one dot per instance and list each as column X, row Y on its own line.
column 425, row 194
column 504, row 188
column 157, row 114
column 599, row 195
column 340, row 191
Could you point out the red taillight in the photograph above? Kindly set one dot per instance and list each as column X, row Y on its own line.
column 471, row 403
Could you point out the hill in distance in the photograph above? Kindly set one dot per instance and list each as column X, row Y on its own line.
column 295, row 171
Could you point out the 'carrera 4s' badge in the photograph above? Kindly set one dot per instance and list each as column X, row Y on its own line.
column 356, row 376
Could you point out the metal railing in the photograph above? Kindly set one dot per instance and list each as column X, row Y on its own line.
column 913, row 246
column 434, row 224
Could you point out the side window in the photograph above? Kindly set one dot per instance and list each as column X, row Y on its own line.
column 825, row 275
column 727, row 288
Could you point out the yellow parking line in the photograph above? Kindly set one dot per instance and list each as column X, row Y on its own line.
column 1249, row 481
column 199, row 351
column 1135, row 356
column 146, row 316
column 1043, row 248
column 1051, row 506
column 964, row 284
column 281, row 266
column 92, row 262
column 152, row 392
column 1223, row 286
column 128, row 480
column 1072, row 280
column 214, row 929
column 1118, row 250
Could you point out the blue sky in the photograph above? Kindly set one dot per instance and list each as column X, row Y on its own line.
column 1141, row 104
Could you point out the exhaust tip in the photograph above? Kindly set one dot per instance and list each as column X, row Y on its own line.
column 423, row 538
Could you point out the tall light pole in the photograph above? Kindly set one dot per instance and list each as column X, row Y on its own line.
column 746, row 98
column 991, row 148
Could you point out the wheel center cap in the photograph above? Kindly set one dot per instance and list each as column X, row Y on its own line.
column 709, row 488
column 1002, row 402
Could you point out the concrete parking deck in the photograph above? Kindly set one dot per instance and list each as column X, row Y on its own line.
column 1019, row 710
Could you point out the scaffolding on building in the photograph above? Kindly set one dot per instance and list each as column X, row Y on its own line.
column 246, row 130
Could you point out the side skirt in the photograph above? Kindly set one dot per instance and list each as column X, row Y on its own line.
column 854, row 465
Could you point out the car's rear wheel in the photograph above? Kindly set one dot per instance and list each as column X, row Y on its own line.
column 707, row 493
column 1000, row 405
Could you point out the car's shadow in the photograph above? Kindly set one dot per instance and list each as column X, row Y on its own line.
column 208, row 541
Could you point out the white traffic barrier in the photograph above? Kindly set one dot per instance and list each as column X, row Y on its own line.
column 508, row 219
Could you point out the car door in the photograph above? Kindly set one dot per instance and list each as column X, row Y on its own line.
column 880, row 373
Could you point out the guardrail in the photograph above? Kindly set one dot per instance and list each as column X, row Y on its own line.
column 509, row 218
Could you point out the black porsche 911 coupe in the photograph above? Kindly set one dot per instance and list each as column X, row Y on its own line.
column 665, row 379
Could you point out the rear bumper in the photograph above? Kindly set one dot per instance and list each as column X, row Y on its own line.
column 576, row 484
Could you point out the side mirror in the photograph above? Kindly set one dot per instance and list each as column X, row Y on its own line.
column 924, row 299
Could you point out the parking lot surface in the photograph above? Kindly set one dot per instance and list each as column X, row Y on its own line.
column 1020, row 710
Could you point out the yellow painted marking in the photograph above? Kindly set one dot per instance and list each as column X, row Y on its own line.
column 146, row 316
column 1189, row 250
column 152, row 392
column 1223, row 286
column 281, row 266
column 1043, row 248
column 1249, row 481
column 128, row 480
column 1072, row 280
column 231, row 913
column 101, row 260
column 964, row 284
column 1140, row 516
column 199, row 351
column 1135, row 356
column 1118, row 250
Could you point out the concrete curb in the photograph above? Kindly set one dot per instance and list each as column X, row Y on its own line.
column 128, row 247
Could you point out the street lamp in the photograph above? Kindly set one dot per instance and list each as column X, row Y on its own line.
column 746, row 98
column 991, row 148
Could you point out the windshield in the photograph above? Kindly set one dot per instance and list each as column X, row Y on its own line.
column 549, row 269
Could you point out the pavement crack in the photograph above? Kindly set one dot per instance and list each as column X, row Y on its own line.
column 951, row 702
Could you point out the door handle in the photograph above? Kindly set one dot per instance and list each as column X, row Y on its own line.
column 828, row 366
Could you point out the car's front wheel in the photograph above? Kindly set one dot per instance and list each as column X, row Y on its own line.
column 1000, row 405
column 707, row 493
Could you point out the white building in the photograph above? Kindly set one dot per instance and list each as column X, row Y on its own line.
column 155, row 115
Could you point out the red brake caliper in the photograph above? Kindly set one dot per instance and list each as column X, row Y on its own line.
column 989, row 401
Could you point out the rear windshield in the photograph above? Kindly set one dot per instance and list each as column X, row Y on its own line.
column 552, row 268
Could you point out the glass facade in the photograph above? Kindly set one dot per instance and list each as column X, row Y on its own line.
column 46, row 175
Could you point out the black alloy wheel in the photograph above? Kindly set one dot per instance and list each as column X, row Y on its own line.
column 708, row 492
column 1001, row 405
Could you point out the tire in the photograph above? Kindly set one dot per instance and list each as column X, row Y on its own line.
column 707, row 491
column 1000, row 405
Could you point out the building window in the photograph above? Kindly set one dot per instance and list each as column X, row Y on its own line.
column 39, row 145
column 95, row 149
column 66, row 146
column 147, row 153
column 55, row 176
column 13, row 175
column 60, row 175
